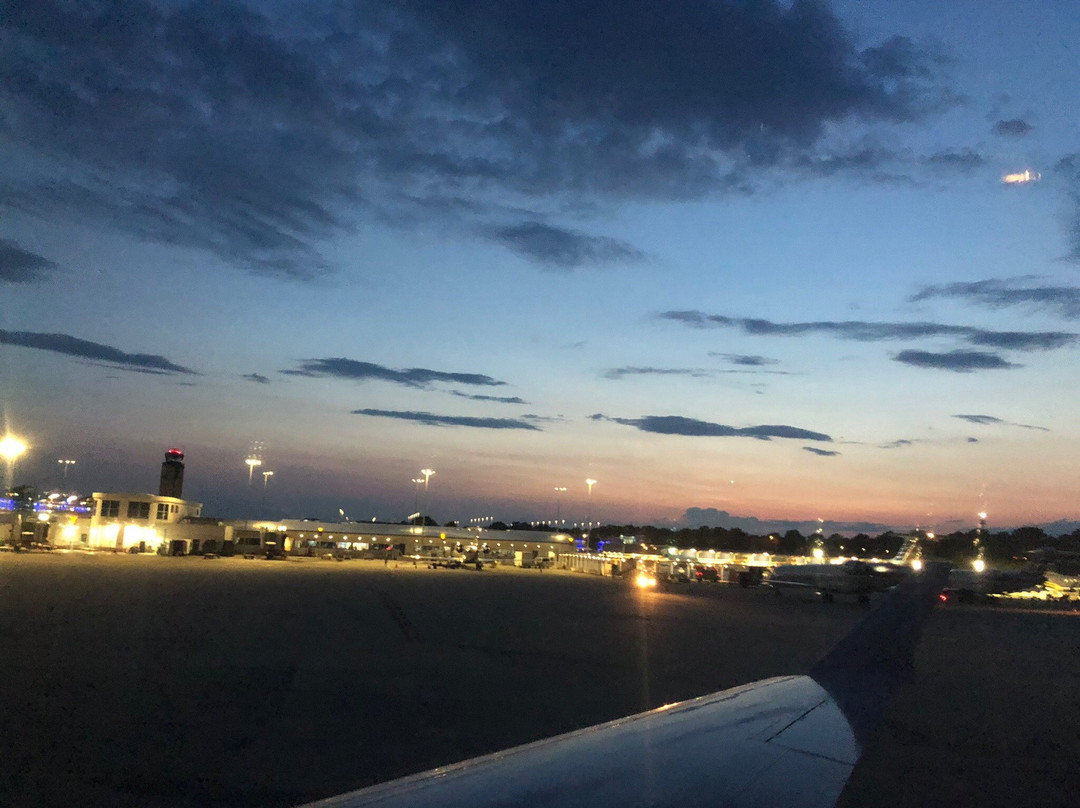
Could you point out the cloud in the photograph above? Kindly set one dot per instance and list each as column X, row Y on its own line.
column 495, row 399
column 542, row 419
column 745, row 360
column 1002, row 292
column 20, row 266
column 989, row 420
column 247, row 130
column 562, row 248
column 972, row 440
column 820, row 452
column 692, row 427
column 1015, row 127
column 258, row 378
column 430, row 419
column 959, row 160
column 695, row 517
column 862, row 331
column 957, row 361
column 341, row 368
column 95, row 351
column 622, row 373
column 897, row 444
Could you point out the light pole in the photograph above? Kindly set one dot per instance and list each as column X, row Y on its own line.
column 980, row 561
column 559, row 489
column 416, row 494
column 262, row 499
column 64, row 465
column 252, row 462
column 589, row 482
column 427, row 476
column 11, row 449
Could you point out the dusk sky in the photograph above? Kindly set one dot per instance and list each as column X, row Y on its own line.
column 756, row 257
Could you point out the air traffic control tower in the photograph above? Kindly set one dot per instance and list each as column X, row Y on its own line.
column 172, row 475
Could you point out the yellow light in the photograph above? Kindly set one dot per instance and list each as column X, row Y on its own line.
column 916, row 564
column 979, row 565
column 1021, row 178
column 43, row 517
column 644, row 581
column 11, row 447
column 818, row 553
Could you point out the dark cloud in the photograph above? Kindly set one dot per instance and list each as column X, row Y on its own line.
column 897, row 444
column 1015, row 127
column 1003, row 292
column 988, row 420
column 745, row 360
column 959, row 160
column 246, row 129
column 695, row 517
column 820, row 452
column 622, row 373
column 957, row 361
column 861, row 331
column 542, row 419
column 21, row 266
column 692, row 427
column 95, row 351
column 430, row 419
column 562, row 248
column 258, row 378
column 494, row 399
column 341, row 368
column 980, row 419
column 972, row 440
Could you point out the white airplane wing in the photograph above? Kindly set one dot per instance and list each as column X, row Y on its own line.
column 789, row 741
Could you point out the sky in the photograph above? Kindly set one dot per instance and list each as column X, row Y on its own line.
column 731, row 260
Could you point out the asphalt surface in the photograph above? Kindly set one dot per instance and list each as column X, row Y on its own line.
column 139, row 680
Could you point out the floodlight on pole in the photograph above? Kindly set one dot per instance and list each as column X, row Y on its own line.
column 11, row 449
column 416, row 494
column 559, row 489
column 266, row 476
column 252, row 462
column 64, row 465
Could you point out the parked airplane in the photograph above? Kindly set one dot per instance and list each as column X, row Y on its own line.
column 859, row 578
column 791, row 740
column 967, row 584
column 853, row 577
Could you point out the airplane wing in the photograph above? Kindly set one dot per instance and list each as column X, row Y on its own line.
column 789, row 741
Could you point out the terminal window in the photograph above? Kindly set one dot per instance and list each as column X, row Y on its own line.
column 138, row 510
column 163, row 510
column 110, row 507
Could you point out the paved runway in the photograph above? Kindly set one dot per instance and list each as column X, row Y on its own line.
column 139, row 680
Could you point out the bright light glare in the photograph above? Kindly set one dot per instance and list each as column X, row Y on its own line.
column 11, row 447
column 1021, row 178
column 916, row 564
column 979, row 565
column 819, row 553
column 645, row 581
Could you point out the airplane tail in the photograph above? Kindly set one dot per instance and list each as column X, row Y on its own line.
column 909, row 549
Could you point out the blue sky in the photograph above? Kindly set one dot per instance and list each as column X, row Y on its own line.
column 756, row 257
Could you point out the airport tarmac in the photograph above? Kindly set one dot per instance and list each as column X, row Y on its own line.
column 140, row 680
